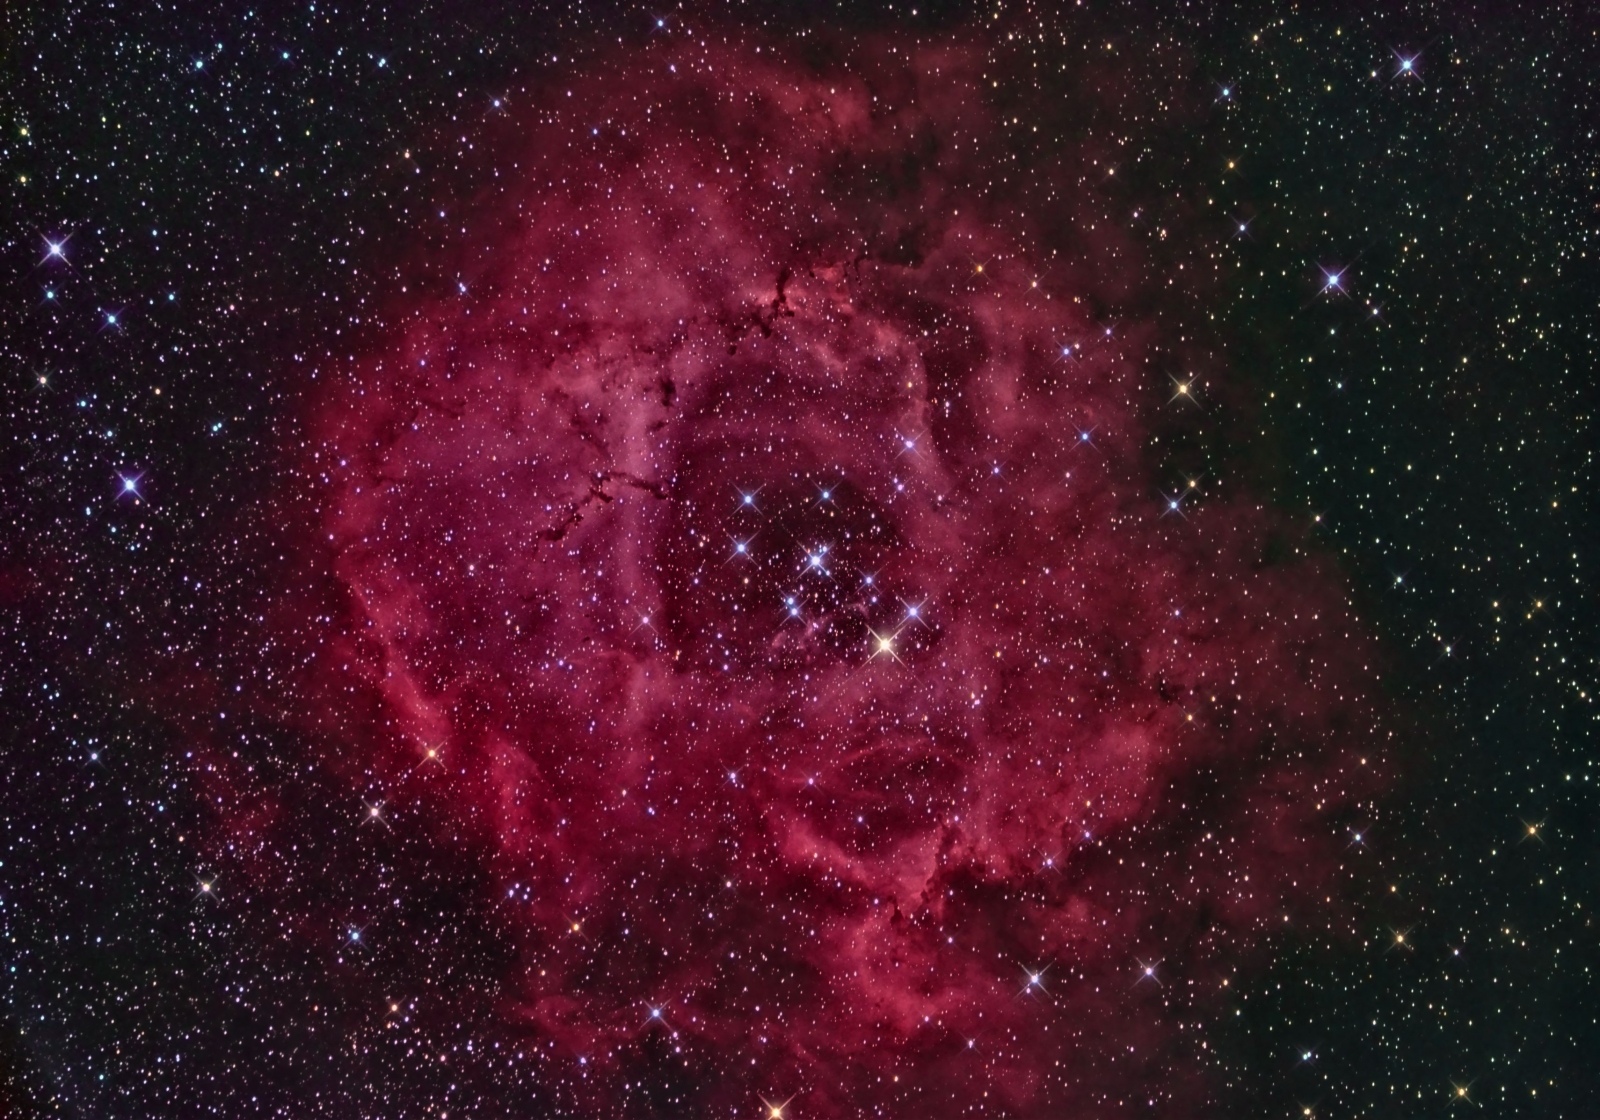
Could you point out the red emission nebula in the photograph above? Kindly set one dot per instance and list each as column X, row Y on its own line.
column 757, row 561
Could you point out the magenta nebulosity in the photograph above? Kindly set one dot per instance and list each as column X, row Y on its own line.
column 758, row 543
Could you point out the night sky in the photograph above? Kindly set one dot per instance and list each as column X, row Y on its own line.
column 798, row 561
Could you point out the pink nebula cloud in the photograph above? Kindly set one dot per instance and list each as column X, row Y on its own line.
column 758, row 547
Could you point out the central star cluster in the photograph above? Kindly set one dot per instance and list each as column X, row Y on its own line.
column 760, row 538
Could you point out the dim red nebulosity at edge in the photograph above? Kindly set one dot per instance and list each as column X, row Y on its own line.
column 758, row 543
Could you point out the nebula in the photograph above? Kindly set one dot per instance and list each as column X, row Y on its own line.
column 756, row 552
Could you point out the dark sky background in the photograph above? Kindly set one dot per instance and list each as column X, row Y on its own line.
column 235, row 192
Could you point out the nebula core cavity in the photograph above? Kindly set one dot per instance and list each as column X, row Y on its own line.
column 759, row 545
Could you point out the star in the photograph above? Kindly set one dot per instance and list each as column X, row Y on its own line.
column 1406, row 66
column 129, row 485
column 205, row 888
column 1033, row 982
column 775, row 1109
column 883, row 645
column 432, row 756
column 816, row 561
column 1085, row 437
